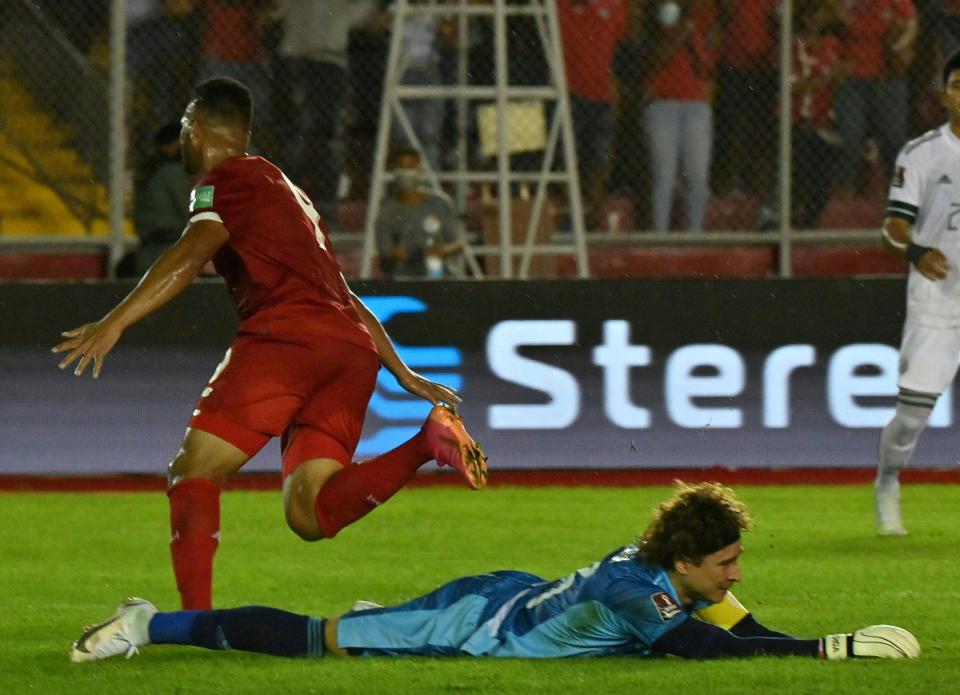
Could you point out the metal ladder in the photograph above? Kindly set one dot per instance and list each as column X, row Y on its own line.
column 553, row 169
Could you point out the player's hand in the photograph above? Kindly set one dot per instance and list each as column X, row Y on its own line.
column 875, row 641
column 88, row 344
column 428, row 390
column 933, row 265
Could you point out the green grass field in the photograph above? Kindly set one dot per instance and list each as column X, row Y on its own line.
column 812, row 566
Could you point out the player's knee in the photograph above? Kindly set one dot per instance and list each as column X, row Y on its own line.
column 185, row 466
column 178, row 469
column 300, row 490
column 307, row 529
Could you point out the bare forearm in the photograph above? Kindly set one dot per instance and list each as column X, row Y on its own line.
column 896, row 236
column 169, row 276
column 388, row 353
column 929, row 261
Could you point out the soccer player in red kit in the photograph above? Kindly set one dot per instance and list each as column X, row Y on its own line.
column 302, row 366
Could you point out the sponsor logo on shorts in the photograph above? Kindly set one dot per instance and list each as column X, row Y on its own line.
column 665, row 605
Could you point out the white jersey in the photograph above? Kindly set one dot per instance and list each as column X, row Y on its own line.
column 925, row 191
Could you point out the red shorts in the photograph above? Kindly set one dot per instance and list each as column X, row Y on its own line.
column 315, row 398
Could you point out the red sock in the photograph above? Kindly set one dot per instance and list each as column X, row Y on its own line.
column 360, row 488
column 194, row 537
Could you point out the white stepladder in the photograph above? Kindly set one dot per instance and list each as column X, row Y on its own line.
column 499, row 107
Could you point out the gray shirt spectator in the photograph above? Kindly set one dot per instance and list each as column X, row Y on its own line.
column 162, row 199
column 406, row 231
column 319, row 31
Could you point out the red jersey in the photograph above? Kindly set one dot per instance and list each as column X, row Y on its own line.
column 590, row 33
column 279, row 266
column 233, row 32
column 687, row 73
column 868, row 23
column 814, row 62
column 749, row 41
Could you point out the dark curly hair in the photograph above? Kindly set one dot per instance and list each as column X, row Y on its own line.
column 698, row 520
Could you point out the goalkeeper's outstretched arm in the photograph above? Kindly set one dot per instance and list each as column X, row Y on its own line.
column 695, row 639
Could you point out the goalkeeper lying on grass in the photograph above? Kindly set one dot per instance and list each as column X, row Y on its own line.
column 669, row 594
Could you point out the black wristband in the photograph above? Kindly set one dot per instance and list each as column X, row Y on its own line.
column 915, row 252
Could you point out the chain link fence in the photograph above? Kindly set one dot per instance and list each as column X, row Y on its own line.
column 676, row 105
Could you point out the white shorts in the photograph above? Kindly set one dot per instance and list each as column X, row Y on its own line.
column 928, row 357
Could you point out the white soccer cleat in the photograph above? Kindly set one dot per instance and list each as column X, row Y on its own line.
column 122, row 633
column 889, row 521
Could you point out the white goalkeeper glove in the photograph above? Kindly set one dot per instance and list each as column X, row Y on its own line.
column 877, row 641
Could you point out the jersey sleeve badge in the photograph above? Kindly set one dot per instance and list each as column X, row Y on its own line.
column 201, row 197
column 899, row 177
column 665, row 605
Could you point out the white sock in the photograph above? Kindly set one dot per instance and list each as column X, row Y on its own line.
column 899, row 437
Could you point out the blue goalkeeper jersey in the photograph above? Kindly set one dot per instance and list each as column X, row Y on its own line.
column 619, row 605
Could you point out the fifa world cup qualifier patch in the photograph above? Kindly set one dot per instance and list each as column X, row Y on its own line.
column 665, row 605
column 201, row 197
column 899, row 175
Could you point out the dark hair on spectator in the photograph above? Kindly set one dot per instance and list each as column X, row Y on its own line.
column 396, row 154
column 697, row 521
column 169, row 132
column 225, row 99
column 949, row 65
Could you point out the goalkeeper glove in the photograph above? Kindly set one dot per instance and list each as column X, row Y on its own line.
column 878, row 641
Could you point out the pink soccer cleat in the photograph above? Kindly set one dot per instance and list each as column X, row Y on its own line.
column 452, row 446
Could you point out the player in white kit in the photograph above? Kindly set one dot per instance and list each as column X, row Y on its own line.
column 922, row 225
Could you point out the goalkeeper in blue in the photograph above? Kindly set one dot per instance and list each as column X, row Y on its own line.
column 667, row 594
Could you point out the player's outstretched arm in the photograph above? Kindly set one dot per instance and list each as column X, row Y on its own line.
column 406, row 377
column 170, row 275
column 750, row 627
column 695, row 639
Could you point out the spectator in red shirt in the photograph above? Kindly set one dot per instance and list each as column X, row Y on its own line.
column 679, row 116
column 747, row 83
column 590, row 31
column 879, row 41
column 817, row 68
column 233, row 44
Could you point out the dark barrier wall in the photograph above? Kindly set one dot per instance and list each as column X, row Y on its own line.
column 593, row 374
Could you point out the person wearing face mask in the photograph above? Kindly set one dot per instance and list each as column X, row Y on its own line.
column 416, row 228
column 679, row 115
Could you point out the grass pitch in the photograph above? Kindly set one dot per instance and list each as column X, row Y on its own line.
column 812, row 566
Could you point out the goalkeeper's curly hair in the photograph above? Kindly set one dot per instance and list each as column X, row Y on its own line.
column 698, row 520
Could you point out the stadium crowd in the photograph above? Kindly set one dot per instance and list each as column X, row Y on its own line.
column 664, row 94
